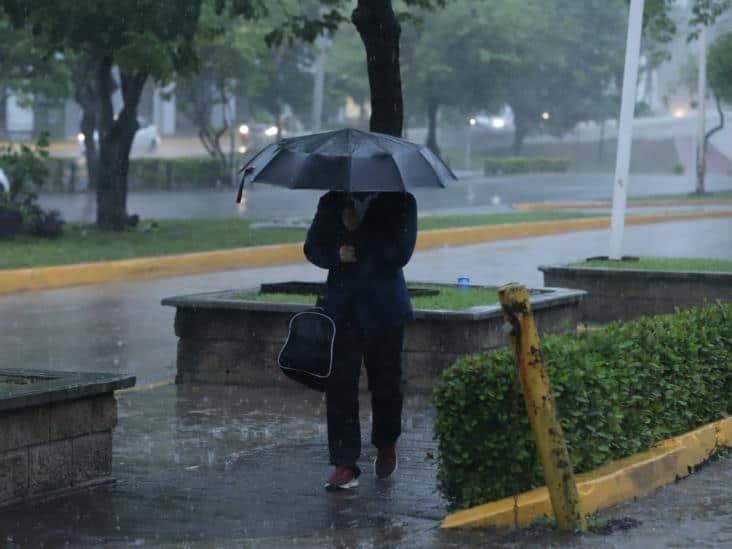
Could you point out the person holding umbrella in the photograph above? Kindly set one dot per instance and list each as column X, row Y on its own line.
column 364, row 240
column 363, row 233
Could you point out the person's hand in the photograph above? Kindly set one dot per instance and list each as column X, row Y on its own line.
column 350, row 218
column 347, row 254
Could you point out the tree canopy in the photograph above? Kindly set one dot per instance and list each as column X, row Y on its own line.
column 719, row 67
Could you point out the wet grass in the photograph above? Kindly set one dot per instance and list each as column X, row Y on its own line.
column 449, row 298
column 84, row 243
column 663, row 264
column 720, row 195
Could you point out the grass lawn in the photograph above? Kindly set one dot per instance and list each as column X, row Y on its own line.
column 664, row 264
column 723, row 195
column 449, row 298
column 80, row 244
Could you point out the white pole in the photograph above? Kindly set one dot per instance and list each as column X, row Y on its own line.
column 625, row 130
column 701, row 111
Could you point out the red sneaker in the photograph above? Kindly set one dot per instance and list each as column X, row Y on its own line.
column 343, row 478
column 386, row 462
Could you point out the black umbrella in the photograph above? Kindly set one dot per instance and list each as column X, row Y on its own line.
column 347, row 160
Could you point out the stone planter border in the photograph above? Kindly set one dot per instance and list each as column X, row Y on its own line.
column 226, row 339
column 625, row 294
column 56, row 432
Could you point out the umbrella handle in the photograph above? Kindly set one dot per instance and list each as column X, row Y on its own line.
column 246, row 171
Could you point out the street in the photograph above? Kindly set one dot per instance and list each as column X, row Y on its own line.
column 472, row 194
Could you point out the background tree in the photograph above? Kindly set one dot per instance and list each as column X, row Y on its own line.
column 564, row 56
column 719, row 74
column 229, row 51
column 446, row 61
column 26, row 70
column 345, row 72
column 378, row 25
column 141, row 39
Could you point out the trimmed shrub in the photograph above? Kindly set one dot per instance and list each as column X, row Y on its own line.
column 619, row 391
column 524, row 164
column 166, row 173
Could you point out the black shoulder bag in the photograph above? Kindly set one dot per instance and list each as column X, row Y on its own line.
column 307, row 355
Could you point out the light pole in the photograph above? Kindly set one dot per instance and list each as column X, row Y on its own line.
column 468, row 143
column 625, row 129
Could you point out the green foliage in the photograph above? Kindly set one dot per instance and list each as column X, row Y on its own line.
column 500, row 165
column 450, row 298
column 26, row 69
column 619, row 391
column 664, row 264
column 659, row 23
column 719, row 67
column 25, row 165
column 167, row 173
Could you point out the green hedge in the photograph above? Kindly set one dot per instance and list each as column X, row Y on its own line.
column 507, row 165
column 619, row 390
column 69, row 174
column 166, row 173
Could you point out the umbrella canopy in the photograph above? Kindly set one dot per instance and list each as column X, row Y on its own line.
column 348, row 160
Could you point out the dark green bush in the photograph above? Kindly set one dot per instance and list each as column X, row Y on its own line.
column 507, row 165
column 166, row 173
column 619, row 391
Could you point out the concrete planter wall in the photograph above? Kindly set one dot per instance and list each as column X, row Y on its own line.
column 56, row 432
column 226, row 339
column 620, row 294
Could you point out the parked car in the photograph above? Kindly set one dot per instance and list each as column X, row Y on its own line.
column 146, row 139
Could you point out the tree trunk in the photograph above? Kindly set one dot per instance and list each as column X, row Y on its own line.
column 701, row 169
column 115, row 143
column 85, row 95
column 377, row 24
column 432, row 109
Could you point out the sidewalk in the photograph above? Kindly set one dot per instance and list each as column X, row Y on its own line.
column 212, row 466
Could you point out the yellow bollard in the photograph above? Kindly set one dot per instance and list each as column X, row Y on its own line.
column 541, row 408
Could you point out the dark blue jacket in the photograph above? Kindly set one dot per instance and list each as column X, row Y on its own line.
column 372, row 291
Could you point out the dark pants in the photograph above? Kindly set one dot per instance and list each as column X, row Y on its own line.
column 381, row 351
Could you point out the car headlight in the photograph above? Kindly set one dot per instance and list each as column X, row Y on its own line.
column 244, row 129
column 80, row 137
column 271, row 131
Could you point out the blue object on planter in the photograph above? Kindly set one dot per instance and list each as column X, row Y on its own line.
column 464, row 282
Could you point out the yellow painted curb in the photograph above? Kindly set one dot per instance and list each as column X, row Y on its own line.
column 17, row 280
column 619, row 481
column 549, row 206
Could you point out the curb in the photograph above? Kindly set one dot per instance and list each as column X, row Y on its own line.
column 613, row 483
column 548, row 206
column 39, row 278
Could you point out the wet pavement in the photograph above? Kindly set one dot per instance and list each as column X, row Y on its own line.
column 472, row 194
column 210, row 466
column 213, row 466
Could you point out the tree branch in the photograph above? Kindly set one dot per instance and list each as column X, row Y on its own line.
column 720, row 126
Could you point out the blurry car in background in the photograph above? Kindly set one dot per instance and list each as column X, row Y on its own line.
column 146, row 140
column 253, row 136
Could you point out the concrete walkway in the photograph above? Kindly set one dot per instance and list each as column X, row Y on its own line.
column 212, row 466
